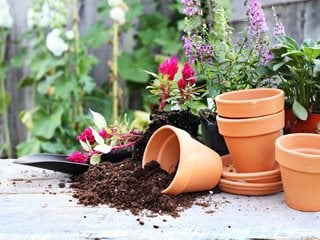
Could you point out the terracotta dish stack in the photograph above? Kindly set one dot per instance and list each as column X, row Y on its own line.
column 251, row 120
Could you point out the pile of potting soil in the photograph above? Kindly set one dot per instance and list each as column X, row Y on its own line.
column 128, row 186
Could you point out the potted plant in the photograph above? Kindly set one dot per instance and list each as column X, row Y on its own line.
column 223, row 64
column 297, row 68
column 178, row 96
column 105, row 143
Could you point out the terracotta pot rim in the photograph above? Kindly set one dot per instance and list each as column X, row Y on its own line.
column 250, row 102
column 281, row 139
column 221, row 97
column 251, row 126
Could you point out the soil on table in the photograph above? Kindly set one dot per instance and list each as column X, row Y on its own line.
column 128, row 186
column 181, row 119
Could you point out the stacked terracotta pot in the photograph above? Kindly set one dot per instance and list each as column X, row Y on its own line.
column 251, row 120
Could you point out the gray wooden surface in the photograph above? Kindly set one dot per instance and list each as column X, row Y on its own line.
column 34, row 207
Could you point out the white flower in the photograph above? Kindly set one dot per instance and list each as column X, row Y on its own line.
column 118, row 15
column 70, row 35
column 115, row 3
column 45, row 19
column 30, row 18
column 6, row 19
column 55, row 43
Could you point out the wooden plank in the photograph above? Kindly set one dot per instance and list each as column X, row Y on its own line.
column 38, row 214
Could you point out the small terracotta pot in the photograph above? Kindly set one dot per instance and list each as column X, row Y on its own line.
column 298, row 155
column 294, row 125
column 198, row 167
column 250, row 103
column 251, row 141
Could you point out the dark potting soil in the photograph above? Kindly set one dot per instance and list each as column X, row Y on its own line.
column 182, row 119
column 127, row 186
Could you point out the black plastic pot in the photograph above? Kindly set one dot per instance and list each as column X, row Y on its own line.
column 211, row 136
column 116, row 156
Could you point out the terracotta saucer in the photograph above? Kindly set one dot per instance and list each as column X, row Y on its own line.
column 229, row 172
column 245, row 188
column 249, row 192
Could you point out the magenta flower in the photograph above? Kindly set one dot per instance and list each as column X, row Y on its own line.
column 256, row 18
column 169, row 67
column 188, row 74
column 103, row 133
column 182, row 83
column 78, row 157
column 86, row 135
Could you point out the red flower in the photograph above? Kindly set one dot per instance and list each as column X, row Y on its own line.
column 78, row 157
column 86, row 135
column 188, row 74
column 182, row 83
column 103, row 133
column 169, row 67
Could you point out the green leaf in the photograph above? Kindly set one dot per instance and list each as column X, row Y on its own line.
column 31, row 146
column 312, row 53
column 289, row 42
column 45, row 124
column 26, row 81
column 97, row 35
column 45, row 85
column 52, row 147
column 5, row 100
column 95, row 159
column 299, row 111
column 132, row 66
column 308, row 43
column 98, row 119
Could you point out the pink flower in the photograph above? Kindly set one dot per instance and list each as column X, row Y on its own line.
column 169, row 67
column 103, row 133
column 86, row 135
column 182, row 83
column 188, row 74
column 78, row 157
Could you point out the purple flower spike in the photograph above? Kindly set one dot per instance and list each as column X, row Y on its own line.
column 256, row 18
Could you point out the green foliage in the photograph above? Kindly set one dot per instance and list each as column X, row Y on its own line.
column 298, row 69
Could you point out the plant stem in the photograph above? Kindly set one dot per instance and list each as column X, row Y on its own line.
column 4, row 102
column 75, row 27
column 115, row 80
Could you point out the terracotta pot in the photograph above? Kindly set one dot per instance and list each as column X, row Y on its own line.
column 198, row 167
column 294, row 125
column 211, row 136
column 298, row 155
column 251, row 141
column 250, row 103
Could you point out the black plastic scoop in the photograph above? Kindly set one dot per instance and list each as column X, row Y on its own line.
column 59, row 163
column 55, row 162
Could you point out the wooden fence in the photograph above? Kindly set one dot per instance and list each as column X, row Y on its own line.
column 300, row 18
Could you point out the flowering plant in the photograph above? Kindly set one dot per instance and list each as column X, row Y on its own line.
column 222, row 63
column 102, row 139
column 182, row 93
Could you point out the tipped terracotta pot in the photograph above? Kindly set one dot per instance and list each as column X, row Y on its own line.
column 197, row 167
column 250, row 103
column 298, row 155
column 251, row 141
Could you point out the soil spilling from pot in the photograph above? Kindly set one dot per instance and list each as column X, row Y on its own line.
column 181, row 119
column 128, row 186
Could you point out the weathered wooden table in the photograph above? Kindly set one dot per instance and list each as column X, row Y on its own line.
column 35, row 205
